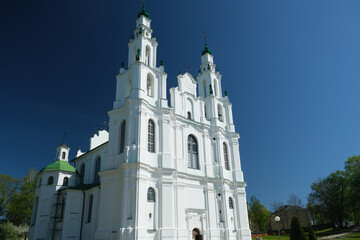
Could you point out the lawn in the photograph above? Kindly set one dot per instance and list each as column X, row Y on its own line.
column 350, row 236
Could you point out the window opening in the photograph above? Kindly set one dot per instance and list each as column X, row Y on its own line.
column 226, row 157
column 189, row 115
column 151, row 195
column 50, row 180
column 193, row 158
column 97, row 170
column 231, row 204
column 122, row 137
column 82, row 173
column 151, row 136
column 66, row 181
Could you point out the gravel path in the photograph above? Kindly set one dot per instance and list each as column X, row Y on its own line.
column 334, row 236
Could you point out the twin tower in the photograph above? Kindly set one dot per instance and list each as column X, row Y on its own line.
column 160, row 172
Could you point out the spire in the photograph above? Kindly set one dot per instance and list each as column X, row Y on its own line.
column 63, row 142
column 206, row 50
column 143, row 12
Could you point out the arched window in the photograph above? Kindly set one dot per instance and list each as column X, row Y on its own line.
column 91, row 199
column 189, row 115
column 205, row 111
column 97, row 170
column 151, row 136
column 39, row 182
column 149, row 85
column 204, row 83
column 147, row 55
column 220, row 113
column 151, row 195
column 231, row 203
column 36, row 204
column 193, row 158
column 128, row 85
column 66, row 181
column 122, row 137
column 215, row 88
column 226, row 157
column 50, row 180
column 82, row 173
column 63, row 155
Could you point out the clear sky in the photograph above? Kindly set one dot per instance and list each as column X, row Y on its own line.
column 291, row 69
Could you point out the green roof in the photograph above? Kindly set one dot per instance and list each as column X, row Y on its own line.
column 206, row 50
column 59, row 165
column 144, row 13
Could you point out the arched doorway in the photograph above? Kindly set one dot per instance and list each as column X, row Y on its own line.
column 196, row 234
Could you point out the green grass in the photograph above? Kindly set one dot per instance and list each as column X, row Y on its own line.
column 324, row 231
column 282, row 237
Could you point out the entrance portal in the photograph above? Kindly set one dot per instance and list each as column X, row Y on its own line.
column 196, row 234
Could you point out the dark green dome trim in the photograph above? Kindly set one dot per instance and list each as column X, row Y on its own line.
column 206, row 50
column 144, row 13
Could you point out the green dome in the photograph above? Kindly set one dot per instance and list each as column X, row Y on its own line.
column 144, row 13
column 59, row 165
column 206, row 50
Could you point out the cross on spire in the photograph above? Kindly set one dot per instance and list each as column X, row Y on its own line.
column 205, row 38
column 64, row 137
column 104, row 125
column 187, row 67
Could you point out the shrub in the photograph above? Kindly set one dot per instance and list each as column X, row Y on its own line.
column 312, row 235
column 296, row 232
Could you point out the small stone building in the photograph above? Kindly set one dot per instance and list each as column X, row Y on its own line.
column 285, row 213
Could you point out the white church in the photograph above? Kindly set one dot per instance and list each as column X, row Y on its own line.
column 162, row 171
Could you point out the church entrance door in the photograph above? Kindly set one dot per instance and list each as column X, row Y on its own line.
column 196, row 234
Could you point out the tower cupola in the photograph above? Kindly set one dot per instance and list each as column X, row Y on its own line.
column 62, row 153
column 207, row 56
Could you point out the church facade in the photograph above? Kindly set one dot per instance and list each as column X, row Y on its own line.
column 161, row 171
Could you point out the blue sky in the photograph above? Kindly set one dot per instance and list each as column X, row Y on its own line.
column 291, row 69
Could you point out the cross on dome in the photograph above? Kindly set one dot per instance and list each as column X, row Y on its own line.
column 143, row 11
column 206, row 50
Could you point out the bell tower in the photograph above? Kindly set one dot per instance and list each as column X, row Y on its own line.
column 141, row 86
column 217, row 107
column 143, row 46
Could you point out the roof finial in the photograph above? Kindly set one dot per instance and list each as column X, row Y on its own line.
column 64, row 138
column 143, row 12
column 206, row 50
column 187, row 67
column 205, row 38
column 104, row 125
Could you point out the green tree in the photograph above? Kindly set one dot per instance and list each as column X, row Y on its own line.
column 328, row 197
column 9, row 231
column 296, row 231
column 317, row 214
column 259, row 214
column 352, row 173
column 8, row 188
column 20, row 208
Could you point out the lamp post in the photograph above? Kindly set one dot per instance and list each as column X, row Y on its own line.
column 277, row 219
